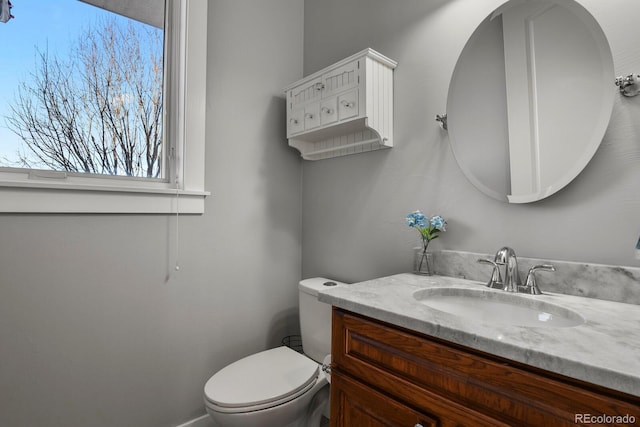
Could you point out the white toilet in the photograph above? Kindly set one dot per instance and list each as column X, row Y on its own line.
column 279, row 387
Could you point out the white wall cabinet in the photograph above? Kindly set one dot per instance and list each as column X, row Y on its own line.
column 346, row 108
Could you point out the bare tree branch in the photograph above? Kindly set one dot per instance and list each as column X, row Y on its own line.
column 99, row 110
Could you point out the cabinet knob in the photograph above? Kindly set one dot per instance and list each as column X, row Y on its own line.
column 294, row 121
column 327, row 110
column 348, row 104
column 309, row 116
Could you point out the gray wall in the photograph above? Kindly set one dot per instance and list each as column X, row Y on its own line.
column 354, row 206
column 91, row 331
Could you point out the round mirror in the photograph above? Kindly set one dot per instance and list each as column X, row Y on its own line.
column 530, row 98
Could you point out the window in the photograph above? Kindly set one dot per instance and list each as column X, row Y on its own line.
column 126, row 143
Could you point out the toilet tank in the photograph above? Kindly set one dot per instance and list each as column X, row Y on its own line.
column 315, row 317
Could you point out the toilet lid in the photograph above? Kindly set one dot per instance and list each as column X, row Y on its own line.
column 264, row 377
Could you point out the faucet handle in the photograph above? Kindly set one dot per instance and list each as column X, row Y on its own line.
column 496, row 279
column 531, row 285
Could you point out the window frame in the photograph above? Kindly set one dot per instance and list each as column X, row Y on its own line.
column 35, row 191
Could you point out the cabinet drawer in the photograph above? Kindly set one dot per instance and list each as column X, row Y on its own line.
column 403, row 363
column 329, row 111
column 348, row 105
column 311, row 116
column 295, row 124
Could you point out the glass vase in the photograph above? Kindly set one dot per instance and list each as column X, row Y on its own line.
column 423, row 263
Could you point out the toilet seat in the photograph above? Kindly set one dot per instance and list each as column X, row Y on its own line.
column 261, row 381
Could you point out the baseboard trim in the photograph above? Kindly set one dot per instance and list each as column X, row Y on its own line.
column 203, row 421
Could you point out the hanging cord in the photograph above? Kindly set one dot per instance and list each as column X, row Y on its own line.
column 177, row 266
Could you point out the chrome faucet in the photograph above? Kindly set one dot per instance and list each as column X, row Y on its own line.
column 507, row 257
column 507, row 261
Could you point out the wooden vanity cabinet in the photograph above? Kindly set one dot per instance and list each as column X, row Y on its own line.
column 383, row 375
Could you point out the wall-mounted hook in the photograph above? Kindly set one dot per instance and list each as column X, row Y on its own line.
column 443, row 120
column 629, row 85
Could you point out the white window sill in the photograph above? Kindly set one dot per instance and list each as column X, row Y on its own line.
column 42, row 197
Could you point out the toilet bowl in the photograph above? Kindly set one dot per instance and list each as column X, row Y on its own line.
column 271, row 388
column 278, row 387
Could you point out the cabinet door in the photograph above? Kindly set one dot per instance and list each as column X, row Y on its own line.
column 306, row 93
column 341, row 79
column 354, row 405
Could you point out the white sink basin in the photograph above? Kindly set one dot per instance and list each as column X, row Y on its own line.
column 499, row 307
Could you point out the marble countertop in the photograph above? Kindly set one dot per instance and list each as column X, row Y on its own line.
column 605, row 350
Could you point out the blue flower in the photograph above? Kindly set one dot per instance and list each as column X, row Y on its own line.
column 416, row 219
column 438, row 223
column 428, row 228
